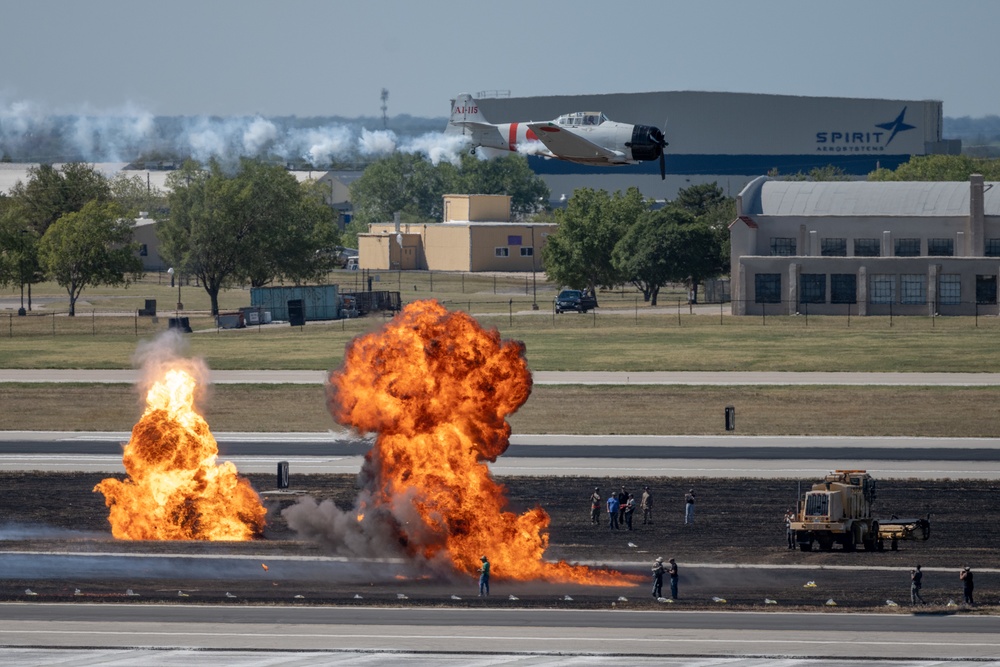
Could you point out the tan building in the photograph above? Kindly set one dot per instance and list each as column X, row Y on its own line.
column 866, row 248
column 476, row 235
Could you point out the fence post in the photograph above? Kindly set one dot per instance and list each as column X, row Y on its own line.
column 678, row 312
column 637, row 310
column 53, row 324
column 93, row 322
column 510, row 306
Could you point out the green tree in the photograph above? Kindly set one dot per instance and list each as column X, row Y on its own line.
column 699, row 199
column 35, row 205
column 710, row 206
column 642, row 256
column 404, row 182
column 509, row 175
column 92, row 246
column 696, row 253
column 51, row 193
column 940, row 168
column 578, row 255
column 135, row 195
column 254, row 226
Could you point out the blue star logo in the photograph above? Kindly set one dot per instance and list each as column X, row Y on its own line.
column 896, row 126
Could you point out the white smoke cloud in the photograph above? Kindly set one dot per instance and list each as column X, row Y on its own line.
column 168, row 350
column 438, row 147
column 258, row 135
column 379, row 142
column 127, row 133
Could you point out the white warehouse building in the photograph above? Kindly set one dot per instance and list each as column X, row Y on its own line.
column 731, row 138
column 866, row 248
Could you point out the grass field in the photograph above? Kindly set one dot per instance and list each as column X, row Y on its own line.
column 666, row 410
column 623, row 335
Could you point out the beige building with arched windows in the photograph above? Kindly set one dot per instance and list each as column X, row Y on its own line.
column 866, row 248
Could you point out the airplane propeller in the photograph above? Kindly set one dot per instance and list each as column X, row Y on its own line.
column 656, row 137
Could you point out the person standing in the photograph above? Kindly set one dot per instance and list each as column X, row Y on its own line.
column 613, row 511
column 658, row 577
column 622, row 501
column 595, row 506
column 484, row 577
column 789, row 533
column 647, row 506
column 689, row 507
column 629, row 510
column 672, row 571
column 966, row 576
column 916, row 582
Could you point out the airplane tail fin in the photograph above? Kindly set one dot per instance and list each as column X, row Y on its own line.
column 464, row 109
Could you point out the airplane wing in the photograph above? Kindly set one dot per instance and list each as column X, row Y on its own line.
column 568, row 145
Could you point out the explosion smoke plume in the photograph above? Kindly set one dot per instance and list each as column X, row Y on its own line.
column 436, row 389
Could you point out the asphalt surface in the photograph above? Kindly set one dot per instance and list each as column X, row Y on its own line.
column 665, row 456
column 505, row 631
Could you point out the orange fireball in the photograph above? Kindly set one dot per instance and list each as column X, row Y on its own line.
column 174, row 489
column 437, row 388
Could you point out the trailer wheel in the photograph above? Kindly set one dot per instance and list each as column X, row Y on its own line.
column 895, row 545
column 871, row 538
column 849, row 543
column 806, row 546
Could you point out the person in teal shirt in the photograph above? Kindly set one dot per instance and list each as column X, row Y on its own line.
column 484, row 577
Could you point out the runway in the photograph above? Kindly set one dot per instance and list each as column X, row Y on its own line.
column 477, row 633
column 546, row 455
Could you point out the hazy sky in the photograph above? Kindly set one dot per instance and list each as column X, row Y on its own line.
column 330, row 57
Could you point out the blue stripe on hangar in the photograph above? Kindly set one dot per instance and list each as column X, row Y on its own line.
column 736, row 165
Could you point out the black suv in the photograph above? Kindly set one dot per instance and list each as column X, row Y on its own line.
column 574, row 299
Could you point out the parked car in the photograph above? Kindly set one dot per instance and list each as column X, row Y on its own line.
column 574, row 299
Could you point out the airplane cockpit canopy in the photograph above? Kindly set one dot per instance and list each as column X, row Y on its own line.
column 581, row 119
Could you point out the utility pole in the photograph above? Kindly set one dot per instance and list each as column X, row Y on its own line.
column 385, row 108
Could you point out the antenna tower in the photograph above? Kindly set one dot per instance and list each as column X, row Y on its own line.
column 385, row 107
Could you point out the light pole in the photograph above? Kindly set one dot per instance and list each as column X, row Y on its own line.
column 534, row 291
column 21, row 312
column 171, row 273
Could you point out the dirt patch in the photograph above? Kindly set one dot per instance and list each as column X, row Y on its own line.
column 738, row 521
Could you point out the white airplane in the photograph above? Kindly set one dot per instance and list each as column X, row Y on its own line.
column 586, row 137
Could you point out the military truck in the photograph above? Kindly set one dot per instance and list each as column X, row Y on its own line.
column 839, row 510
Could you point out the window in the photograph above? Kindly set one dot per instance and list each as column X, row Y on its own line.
column 527, row 251
column 812, row 288
column 882, row 288
column 950, row 289
column 782, row 247
column 941, row 247
column 843, row 288
column 993, row 247
column 907, row 248
column 867, row 248
column 767, row 288
column 913, row 289
column 833, row 247
column 986, row 289
column 513, row 240
column 502, row 251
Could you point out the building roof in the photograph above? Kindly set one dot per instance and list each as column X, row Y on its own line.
column 764, row 196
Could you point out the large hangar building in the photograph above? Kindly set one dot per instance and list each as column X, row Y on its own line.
column 732, row 138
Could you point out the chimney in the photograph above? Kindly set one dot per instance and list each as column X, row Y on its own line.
column 976, row 215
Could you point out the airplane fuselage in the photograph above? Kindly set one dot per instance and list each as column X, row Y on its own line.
column 586, row 137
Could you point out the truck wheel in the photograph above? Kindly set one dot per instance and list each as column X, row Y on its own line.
column 849, row 543
column 806, row 546
column 825, row 542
